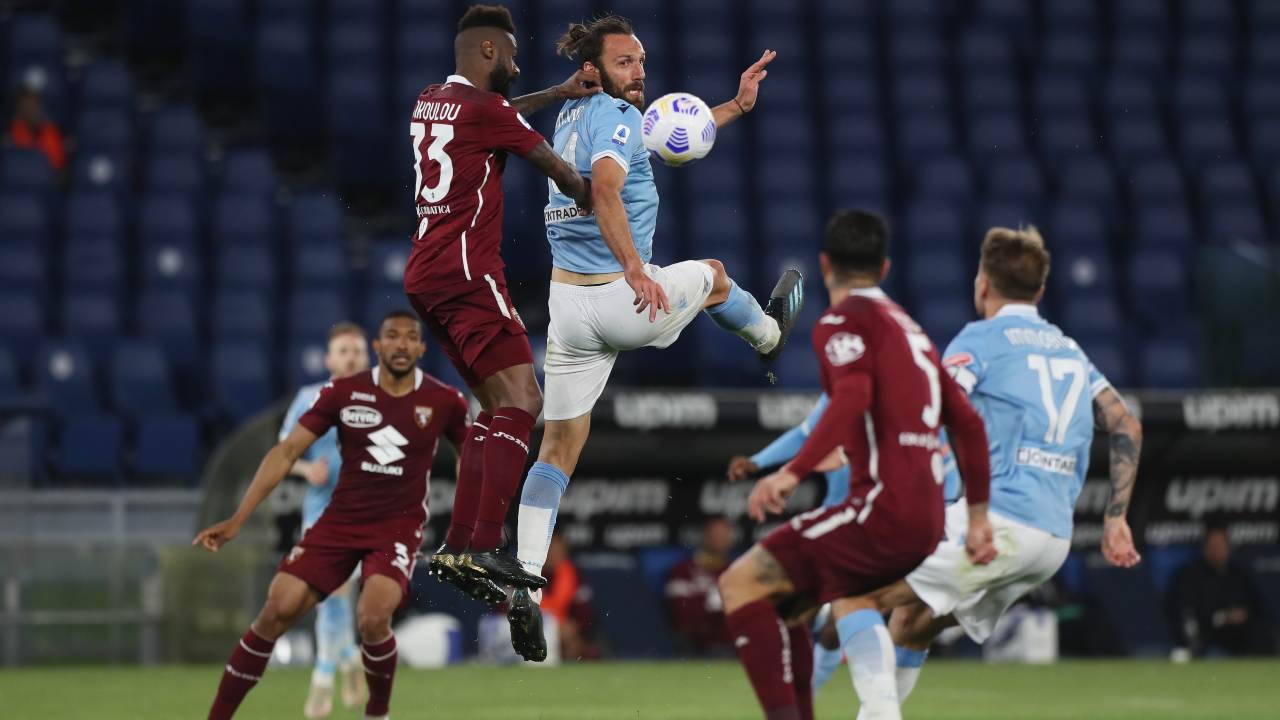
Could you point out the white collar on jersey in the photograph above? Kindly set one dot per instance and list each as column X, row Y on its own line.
column 875, row 293
column 458, row 79
column 417, row 376
column 1026, row 309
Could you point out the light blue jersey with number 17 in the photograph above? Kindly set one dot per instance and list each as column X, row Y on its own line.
column 1034, row 387
column 587, row 130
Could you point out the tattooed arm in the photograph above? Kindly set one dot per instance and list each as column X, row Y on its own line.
column 1113, row 417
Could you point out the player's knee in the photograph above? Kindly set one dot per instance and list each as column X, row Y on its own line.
column 720, row 282
column 733, row 584
column 275, row 619
column 374, row 625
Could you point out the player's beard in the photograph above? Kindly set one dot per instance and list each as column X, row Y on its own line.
column 611, row 88
column 397, row 374
column 500, row 80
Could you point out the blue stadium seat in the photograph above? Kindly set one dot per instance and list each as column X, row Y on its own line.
column 1109, row 357
column 944, row 315
column 930, row 224
column 1060, row 93
column 314, row 217
column 243, row 219
column 1015, row 178
column 23, row 268
column 1011, row 16
column 387, row 260
column 140, row 381
column 1092, row 315
column 1138, row 16
column 1198, row 95
column 996, row 135
column 22, row 320
column 172, row 262
column 991, row 90
column 1137, row 138
column 354, row 42
column 1075, row 225
column 304, row 363
column 861, row 182
column 24, row 219
column 1226, row 181
column 320, row 264
column 92, row 318
column 94, row 214
column 916, row 13
column 249, row 170
column 292, row 11
column 107, row 83
column 849, row 47
column 356, row 102
column 945, row 177
column 105, row 129
column 241, row 380
column 241, row 315
column 1235, row 222
column 219, row 37
column 175, row 172
column 1077, row 272
column 247, row 267
column 915, row 47
column 107, row 171
column 1158, row 284
column 1206, row 139
column 1164, row 226
column 169, row 318
column 924, row 135
column 34, row 39
column 1088, row 178
column 797, row 368
column 1002, row 213
column 64, row 376
column 1073, row 51
column 858, row 136
column 937, row 271
column 1157, row 180
column 1206, row 54
column 167, row 446
column 790, row 177
column 1127, row 94
column 176, row 128
column 921, row 92
column 1264, row 142
column 1170, row 363
column 1209, row 17
column 1066, row 135
column 10, row 380
column 783, row 131
column 25, row 170
column 1071, row 17
column 794, row 223
column 844, row 14
column 984, row 48
column 165, row 217
column 90, row 448
column 719, row 225
column 287, row 75
column 313, row 312
column 1141, row 53
column 94, row 263
column 851, row 93
column 1261, row 98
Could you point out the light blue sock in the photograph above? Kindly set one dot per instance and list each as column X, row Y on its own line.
column 741, row 315
column 539, row 506
column 329, row 632
column 825, row 664
column 872, row 663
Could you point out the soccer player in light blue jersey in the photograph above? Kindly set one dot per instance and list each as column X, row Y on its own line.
column 347, row 354
column 1034, row 387
column 605, row 297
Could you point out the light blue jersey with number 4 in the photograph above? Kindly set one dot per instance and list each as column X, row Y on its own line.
column 587, row 130
column 1034, row 387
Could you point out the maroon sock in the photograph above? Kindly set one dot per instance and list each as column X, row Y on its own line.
column 466, row 496
column 505, row 453
column 802, row 669
column 764, row 647
column 241, row 673
column 379, row 672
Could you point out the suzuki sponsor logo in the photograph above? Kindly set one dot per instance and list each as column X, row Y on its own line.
column 649, row 411
column 360, row 417
column 386, row 447
column 1232, row 411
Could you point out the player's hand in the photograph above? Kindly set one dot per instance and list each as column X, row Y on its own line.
column 649, row 294
column 769, row 496
column 217, row 535
column 749, row 84
column 979, row 542
column 580, row 84
column 1117, row 543
column 318, row 472
column 584, row 202
column 741, row 468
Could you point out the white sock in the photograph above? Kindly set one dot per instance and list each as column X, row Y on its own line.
column 869, row 649
column 906, row 681
column 533, row 536
column 763, row 335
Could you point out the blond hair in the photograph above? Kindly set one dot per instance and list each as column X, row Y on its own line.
column 1015, row 261
column 346, row 328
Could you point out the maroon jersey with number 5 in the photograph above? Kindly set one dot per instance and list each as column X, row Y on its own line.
column 388, row 445
column 461, row 136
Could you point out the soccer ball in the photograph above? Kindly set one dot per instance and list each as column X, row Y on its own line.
column 679, row 128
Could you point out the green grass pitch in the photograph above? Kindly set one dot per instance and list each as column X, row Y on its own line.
column 667, row 691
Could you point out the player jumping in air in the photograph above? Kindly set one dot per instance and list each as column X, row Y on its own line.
column 462, row 131
column 889, row 395
column 389, row 422
column 1027, row 380
column 604, row 297
column 348, row 354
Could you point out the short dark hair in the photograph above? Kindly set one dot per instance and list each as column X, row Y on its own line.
column 1015, row 261
column 494, row 16
column 582, row 42
column 399, row 314
column 856, row 242
column 346, row 328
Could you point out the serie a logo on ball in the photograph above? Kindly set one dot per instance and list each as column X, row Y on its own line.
column 679, row 128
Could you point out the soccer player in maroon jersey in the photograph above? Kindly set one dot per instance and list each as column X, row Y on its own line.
column 463, row 130
column 889, row 395
column 389, row 423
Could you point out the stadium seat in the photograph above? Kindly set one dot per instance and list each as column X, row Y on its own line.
column 985, row 48
column 94, row 214
column 1199, row 95
column 1261, row 99
column 1205, row 139
column 921, row 92
column 387, row 261
column 108, row 171
column 176, row 129
column 1129, row 95
column 1109, row 357
column 860, row 135
column 90, row 448
column 1164, row 226
column 24, row 219
column 861, row 182
column 943, row 316
column 1136, row 139
column 945, row 177
column 23, row 268
column 1235, row 222
column 1088, row 178
column 1157, row 180
column 1139, row 16
column 915, row 47
column 241, row 380
column 928, row 224
column 1264, row 143
column 22, row 321
column 65, row 378
column 249, row 170
column 937, row 271
column 719, row 225
column 1226, row 181
column 167, row 447
column 314, row 217
column 305, row 362
column 169, row 318
column 91, row 318
column 1001, row 213
column 105, row 129
column 1015, row 178
column 10, row 379
column 175, row 172
column 1170, row 363
column 288, row 85
column 1060, row 93
column 1093, row 315
column 1064, row 136
column 242, row 315
column 783, row 131
column 107, row 83
column 241, row 219
column 140, row 381
column 1011, row 16
column 790, row 177
column 793, row 224
column 313, row 312
column 923, row 135
column 1206, row 55
column 219, row 37
column 991, row 90
column 1071, row 51
column 95, row 264
column 1217, row 18
column 165, row 217
column 1075, row 225
column 320, row 264
column 25, row 170
column 246, row 267
column 995, row 136
column 1158, row 286
column 1078, row 272
column 353, row 42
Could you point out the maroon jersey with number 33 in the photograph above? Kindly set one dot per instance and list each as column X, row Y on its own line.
column 388, row 445
column 461, row 136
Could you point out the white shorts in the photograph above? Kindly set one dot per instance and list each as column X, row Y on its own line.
column 979, row 594
column 591, row 325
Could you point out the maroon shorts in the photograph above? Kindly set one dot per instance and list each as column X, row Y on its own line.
column 329, row 552
column 828, row 554
column 476, row 325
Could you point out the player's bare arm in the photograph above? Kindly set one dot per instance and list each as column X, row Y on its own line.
column 740, row 468
column 606, row 196
column 315, row 472
column 275, row 466
column 565, row 176
column 969, row 443
column 1112, row 416
column 748, row 89
column 584, row 82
